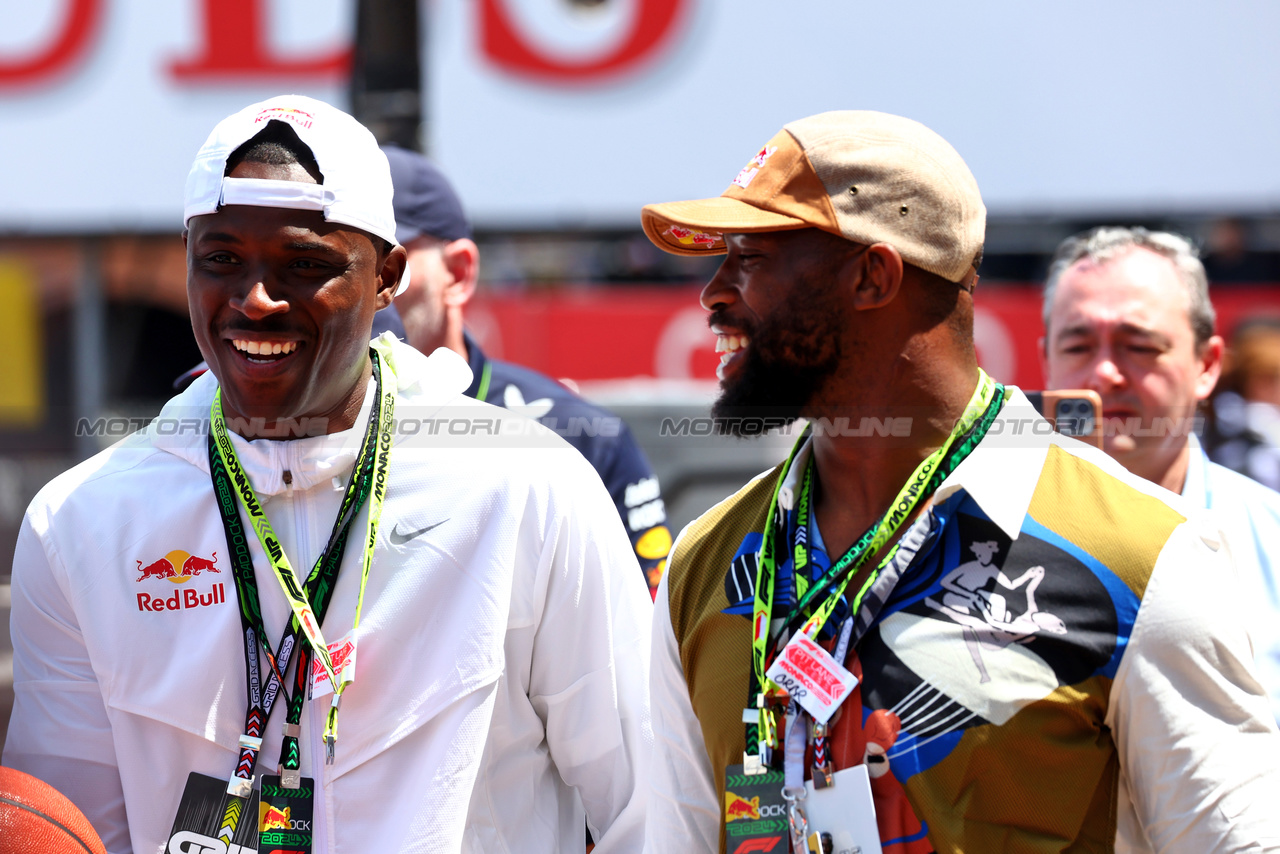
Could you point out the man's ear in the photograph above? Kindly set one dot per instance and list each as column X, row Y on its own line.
column 881, row 278
column 1210, row 359
column 393, row 268
column 462, row 260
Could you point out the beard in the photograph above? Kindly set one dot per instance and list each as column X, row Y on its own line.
column 789, row 359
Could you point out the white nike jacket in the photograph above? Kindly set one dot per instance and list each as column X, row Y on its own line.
column 503, row 605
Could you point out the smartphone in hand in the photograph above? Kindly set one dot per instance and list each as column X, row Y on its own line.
column 1074, row 412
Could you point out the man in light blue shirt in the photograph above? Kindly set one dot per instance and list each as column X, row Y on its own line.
column 1127, row 314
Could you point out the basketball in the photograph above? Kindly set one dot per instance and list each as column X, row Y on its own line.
column 34, row 816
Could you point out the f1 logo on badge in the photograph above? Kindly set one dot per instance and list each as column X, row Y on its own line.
column 765, row 844
column 190, row 842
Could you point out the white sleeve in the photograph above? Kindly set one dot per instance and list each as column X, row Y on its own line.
column 1198, row 747
column 59, row 729
column 684, row 814
column 590, row 671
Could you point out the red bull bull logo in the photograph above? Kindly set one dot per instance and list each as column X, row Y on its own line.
column 272, row 818
column 690, row 237
column 737, row 807
column 179, row 567
column 754, row 165
column 764, row 154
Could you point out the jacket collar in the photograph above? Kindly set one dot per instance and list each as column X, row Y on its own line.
column 422, row 382
column 1002, row 472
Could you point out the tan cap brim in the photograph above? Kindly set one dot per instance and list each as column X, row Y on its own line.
column 698, row 227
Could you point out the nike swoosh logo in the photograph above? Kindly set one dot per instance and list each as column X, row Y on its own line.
column 399, row 539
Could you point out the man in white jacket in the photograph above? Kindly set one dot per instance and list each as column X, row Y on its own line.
column 309, row 499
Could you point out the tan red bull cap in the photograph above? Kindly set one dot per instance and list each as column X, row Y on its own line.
column 869, row 177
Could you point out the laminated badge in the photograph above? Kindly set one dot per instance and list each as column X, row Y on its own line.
column 754, row 810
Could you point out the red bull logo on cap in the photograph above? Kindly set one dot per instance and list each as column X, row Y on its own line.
column 690, row 237
column 301, row 118
column 754, row 165
column 179, row 567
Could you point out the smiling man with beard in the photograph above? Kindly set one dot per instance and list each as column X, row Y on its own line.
column 298, row 529
column 789, row 346
column 820, row 680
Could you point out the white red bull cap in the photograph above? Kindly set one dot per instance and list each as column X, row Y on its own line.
column 357, row 180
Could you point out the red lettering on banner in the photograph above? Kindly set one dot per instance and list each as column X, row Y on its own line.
column 81, row 22
column 235, row 47
column 654, row 22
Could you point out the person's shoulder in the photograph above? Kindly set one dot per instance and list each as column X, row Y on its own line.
column 705, row 553
column 722, row 529
column 532, row 386
column 1087, row 500
column 132, row 463
column 496, row 446
column 424, row 379
column 1089, row 467
column 1240, row 485
column 1241, row 493
column 600, row 435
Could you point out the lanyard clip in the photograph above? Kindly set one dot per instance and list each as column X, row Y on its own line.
column 331, row 730
column 240, row 787
column 290, row 778
column 797, row 823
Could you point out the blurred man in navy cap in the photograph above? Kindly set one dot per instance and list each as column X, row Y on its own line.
column 444, row 267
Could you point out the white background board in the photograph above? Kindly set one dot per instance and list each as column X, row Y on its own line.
column 1088, row 108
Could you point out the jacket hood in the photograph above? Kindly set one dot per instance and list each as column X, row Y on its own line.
column 423, row 382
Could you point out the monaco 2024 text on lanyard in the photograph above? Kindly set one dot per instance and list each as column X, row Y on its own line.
column 368, row 482
column 817, row 600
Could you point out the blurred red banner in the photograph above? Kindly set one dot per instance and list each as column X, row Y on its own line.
column 600, row 333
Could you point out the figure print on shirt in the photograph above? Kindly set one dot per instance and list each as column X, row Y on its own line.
column 955, row 647
column 977, row 597
column 872, row 743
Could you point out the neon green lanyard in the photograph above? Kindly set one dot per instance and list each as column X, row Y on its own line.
column 486, row 374
column 303, row 614
column 980, row 412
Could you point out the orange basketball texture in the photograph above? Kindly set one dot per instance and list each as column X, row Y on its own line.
column 35, row 817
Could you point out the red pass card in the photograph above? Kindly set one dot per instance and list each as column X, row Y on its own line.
column 343, row 654
column 812, row 677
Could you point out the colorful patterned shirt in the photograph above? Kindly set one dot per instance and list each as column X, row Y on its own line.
column 1051, row 662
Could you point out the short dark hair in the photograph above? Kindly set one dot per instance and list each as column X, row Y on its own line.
column 275, row 145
